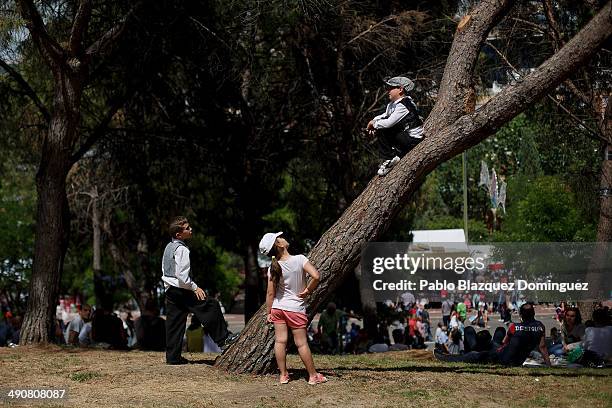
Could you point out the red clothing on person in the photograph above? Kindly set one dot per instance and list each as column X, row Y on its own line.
column 295, row 320
column 412, row 327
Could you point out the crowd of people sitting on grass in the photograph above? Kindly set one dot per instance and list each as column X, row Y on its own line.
column 104, row 328
column 100, row 328
column 461, row 335
column 574, row 343
column 110, row 329
column 395, row 326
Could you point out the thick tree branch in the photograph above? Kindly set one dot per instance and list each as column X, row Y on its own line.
column 456, row 94
column 48, row 47
column 25, row 86
column 79, row 27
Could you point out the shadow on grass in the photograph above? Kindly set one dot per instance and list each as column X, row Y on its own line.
column 459, row 368
column 484, row 369
column 210, row 362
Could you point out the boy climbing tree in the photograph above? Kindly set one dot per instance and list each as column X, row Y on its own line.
column 400, row 128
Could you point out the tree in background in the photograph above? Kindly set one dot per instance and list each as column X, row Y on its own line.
column 75, row 45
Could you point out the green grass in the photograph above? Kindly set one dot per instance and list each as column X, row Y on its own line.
column 540, row 401
column 417, row 394
column 83, row 376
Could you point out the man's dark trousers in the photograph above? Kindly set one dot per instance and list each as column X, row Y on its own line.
column 179, row 302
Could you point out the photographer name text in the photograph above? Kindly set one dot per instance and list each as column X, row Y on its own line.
column 468, row 285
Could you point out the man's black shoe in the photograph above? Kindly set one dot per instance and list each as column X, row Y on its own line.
column 182, row 361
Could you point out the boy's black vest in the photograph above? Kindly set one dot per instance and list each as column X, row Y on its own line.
column 411, row 121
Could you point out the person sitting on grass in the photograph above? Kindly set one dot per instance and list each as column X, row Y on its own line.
column 75, row 326
column 520, row 340
column 555, row 338
column 150, row 328
column 398, row 341
column 598, row 336
column 572, row 329
column 455, row 344
column 6, row 332
column 441, row 338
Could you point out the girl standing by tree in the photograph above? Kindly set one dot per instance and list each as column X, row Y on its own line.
column 287, row 290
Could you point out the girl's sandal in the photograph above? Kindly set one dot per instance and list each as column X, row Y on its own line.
column 317, row 379
column 284, row 379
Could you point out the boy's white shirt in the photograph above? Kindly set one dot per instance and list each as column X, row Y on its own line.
column 394, row 113
column 182, row 268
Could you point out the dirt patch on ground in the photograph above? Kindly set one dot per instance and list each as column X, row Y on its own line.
column 99, row 378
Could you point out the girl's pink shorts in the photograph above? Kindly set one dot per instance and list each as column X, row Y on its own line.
column 295, row 320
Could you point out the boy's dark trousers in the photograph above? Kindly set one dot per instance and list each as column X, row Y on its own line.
column 392, row 144
column 179, row 302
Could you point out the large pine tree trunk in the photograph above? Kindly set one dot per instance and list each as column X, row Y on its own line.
column 53, row 214
column 52, row 225
column 450, row 131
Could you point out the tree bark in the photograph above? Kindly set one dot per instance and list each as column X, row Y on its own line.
column 337, row 252
column 53, row 213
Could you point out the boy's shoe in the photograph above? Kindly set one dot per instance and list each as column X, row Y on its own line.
column 317, row 379
column 284, row 379
column 182, row 361
column 387, row 166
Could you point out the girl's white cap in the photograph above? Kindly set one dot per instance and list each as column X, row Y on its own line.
column 267, row 242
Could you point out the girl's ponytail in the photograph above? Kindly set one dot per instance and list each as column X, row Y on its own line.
column 275, row 269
